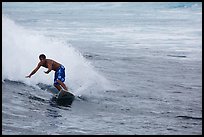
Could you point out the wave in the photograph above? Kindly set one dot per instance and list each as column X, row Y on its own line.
column 190, row 117
column 21, row 48
column 192, row 5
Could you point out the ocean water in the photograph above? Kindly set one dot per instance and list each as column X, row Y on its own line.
column 135, row 68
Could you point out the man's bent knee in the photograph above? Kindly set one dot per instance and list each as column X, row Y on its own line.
column 59, row 81
column 56, row 84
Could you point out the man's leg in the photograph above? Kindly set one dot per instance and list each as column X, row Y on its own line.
column 62, row 84
column 58, row 87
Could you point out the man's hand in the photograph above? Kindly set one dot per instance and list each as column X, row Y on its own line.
column 46, row 72
column 28, row 76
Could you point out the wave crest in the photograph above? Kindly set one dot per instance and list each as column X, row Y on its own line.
column 20, row 51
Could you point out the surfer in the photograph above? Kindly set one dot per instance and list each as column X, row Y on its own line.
column 52, row 65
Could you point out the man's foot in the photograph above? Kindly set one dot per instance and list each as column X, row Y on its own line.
column 56, row 95
column 63, row 92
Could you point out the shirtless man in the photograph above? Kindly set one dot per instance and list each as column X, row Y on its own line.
column 52, row 65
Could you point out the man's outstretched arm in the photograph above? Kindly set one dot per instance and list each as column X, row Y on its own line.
column 34, row 71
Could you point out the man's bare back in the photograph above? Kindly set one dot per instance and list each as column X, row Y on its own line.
column 50, row 64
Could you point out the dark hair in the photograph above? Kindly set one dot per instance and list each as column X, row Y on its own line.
column 42, row 56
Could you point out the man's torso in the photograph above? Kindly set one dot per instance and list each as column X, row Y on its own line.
column 55, row 65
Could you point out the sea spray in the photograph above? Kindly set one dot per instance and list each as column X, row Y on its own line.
column 20, row 51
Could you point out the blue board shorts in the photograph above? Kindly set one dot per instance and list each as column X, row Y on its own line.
column 59, row 75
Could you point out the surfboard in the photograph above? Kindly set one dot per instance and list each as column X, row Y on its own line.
column 63, row 98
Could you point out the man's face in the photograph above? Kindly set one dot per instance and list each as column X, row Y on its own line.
column 41, row 59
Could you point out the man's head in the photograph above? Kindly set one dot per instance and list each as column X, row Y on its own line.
column 42, row 57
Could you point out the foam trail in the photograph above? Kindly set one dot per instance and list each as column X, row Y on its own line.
column 20, row 51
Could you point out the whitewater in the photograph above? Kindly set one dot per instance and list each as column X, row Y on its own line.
column 24, row 51
column 135, row 68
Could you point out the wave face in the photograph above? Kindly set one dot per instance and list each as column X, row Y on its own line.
column 20, row 51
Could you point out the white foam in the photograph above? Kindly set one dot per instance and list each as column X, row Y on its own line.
column 20, row 51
